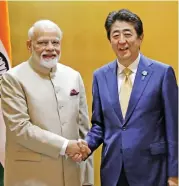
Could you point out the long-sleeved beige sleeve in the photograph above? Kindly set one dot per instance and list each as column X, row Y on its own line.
column 18, row 121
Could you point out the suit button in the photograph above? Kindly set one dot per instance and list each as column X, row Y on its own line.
column 123, row 128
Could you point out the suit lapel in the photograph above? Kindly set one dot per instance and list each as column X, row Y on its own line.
column 143, row 75
column 112, row 84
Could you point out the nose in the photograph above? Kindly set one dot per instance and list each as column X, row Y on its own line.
column 50, row 46
column 122, row 39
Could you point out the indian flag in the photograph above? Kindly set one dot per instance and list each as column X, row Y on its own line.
column 5, row 55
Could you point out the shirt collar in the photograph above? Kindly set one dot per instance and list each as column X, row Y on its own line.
column 132, row 67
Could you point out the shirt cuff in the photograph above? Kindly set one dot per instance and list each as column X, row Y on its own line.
column 63, row 150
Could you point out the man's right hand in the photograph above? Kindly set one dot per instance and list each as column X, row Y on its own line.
column 85, row 151
column 78, row 150
column 72, row 148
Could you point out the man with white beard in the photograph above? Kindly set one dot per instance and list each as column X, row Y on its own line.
column 45, row 112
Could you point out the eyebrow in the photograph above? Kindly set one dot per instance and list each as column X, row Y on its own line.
column 124, row 30
column 56, row 39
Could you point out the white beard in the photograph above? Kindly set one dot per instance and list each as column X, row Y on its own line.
column 45, row 63
column 48, row 63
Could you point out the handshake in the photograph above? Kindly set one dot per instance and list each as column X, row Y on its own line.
column 77, row 150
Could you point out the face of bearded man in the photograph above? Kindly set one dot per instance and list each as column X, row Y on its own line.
column 45, row 47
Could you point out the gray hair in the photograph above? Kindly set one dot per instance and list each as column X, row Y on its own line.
column 44, row 24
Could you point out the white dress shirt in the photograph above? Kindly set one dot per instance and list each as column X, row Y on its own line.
column 63, row 150
column 120, row 75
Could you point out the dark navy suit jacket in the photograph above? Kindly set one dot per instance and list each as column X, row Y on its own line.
column 146, row 140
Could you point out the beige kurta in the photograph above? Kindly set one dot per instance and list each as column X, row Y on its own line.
column 39, row 114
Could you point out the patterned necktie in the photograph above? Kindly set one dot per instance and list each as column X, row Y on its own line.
column 125, row 91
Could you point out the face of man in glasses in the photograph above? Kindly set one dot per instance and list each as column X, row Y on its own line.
column 45, row 46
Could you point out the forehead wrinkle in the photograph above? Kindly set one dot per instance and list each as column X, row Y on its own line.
column 46, row 33
column 123, row 24
column 41, row 30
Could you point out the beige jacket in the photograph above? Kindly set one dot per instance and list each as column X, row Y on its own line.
column 39, row 114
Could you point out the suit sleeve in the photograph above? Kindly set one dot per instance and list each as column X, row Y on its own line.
column 18, row 122
column 87, row 172
column 170, row 99
column 95, row 135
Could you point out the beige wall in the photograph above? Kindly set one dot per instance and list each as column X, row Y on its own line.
column 85, row 46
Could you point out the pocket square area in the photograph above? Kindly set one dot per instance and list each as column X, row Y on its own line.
column 73, row 92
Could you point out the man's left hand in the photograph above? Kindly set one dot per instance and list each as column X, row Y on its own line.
column 173, row 181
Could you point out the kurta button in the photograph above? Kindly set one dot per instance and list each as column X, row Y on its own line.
column 63, row 123
column 60, row 107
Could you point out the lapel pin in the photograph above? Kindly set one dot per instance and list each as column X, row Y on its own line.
column 144, row 74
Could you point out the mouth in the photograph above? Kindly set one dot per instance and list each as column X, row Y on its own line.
column 49, row 56
column 123, row 48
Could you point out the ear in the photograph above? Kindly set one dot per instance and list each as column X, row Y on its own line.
column 141, row 37
column 29, row 45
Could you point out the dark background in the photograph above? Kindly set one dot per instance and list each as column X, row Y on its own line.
column 1, row 175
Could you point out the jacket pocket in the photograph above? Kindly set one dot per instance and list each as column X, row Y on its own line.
column 158, row 148
column 27, row 156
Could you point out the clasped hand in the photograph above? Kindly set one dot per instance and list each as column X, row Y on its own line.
column 78, row 150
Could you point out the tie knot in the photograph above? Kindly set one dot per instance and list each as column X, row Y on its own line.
column 127, row 72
